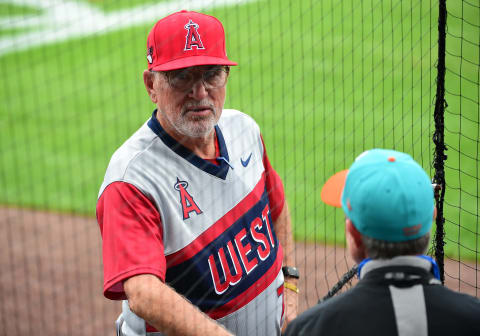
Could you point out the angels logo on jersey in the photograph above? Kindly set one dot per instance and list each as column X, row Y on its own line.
column 188, row 204
column 193, row 37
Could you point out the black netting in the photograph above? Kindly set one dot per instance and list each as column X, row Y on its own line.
column 325, row 80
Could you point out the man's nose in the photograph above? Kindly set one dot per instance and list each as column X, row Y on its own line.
column 198, row 91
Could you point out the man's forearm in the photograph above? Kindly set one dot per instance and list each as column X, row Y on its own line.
column 166, row 310
column 283, row 230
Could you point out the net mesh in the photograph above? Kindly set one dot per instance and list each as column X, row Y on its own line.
column 462, row 113
column 325, row 80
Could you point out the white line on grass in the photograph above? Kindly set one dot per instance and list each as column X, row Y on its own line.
column 63, row 19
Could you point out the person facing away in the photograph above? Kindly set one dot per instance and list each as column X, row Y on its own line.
column 195, row 227
column 387, row 199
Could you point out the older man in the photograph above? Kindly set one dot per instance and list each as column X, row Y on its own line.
column 387, row 199
column 193, row 217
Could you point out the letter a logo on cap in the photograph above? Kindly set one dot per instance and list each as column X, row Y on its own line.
column 193, row 37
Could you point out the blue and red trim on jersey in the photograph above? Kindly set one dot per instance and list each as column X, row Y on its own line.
column 232, row 262
column 219, row 227
column 220, row 170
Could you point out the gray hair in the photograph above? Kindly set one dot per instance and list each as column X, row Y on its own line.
column 381, row 249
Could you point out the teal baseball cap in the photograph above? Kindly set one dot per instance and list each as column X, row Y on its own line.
column 386, row 194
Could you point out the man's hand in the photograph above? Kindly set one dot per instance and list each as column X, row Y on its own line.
column 166, row 310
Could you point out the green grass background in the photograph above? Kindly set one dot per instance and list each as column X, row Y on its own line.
column 324, row 79
column 9, row 10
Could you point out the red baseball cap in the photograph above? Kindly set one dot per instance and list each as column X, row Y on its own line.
column 184, row 39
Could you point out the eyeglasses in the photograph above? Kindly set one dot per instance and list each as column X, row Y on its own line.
column 213, row 77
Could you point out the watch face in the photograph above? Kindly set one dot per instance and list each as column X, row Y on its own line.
column 289, row 271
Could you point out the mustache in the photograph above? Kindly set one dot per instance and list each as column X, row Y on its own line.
column 197, row 105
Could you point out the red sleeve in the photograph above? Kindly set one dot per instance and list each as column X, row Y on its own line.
column 276, row 193
column 132, row 237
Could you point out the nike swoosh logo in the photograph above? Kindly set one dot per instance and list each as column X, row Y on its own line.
column 245, row 163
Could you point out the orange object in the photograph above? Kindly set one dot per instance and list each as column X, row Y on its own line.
column 331, row 193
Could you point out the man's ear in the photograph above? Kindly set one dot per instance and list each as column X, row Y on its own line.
column 149, row 80
column 354, row 241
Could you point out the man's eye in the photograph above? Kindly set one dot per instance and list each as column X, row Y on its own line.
column 182, row 76
column 212, row 74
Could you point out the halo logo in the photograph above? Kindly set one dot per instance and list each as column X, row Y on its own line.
column 188, row 204
column 193, row 37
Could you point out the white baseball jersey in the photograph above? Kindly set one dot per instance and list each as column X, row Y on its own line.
column 211, row 233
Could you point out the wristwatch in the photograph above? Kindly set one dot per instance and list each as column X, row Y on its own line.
column 290, row 272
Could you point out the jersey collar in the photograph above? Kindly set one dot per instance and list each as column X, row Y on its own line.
column 219, row 171
column 421, row 261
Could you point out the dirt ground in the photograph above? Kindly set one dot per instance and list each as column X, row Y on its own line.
column 51, row 275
